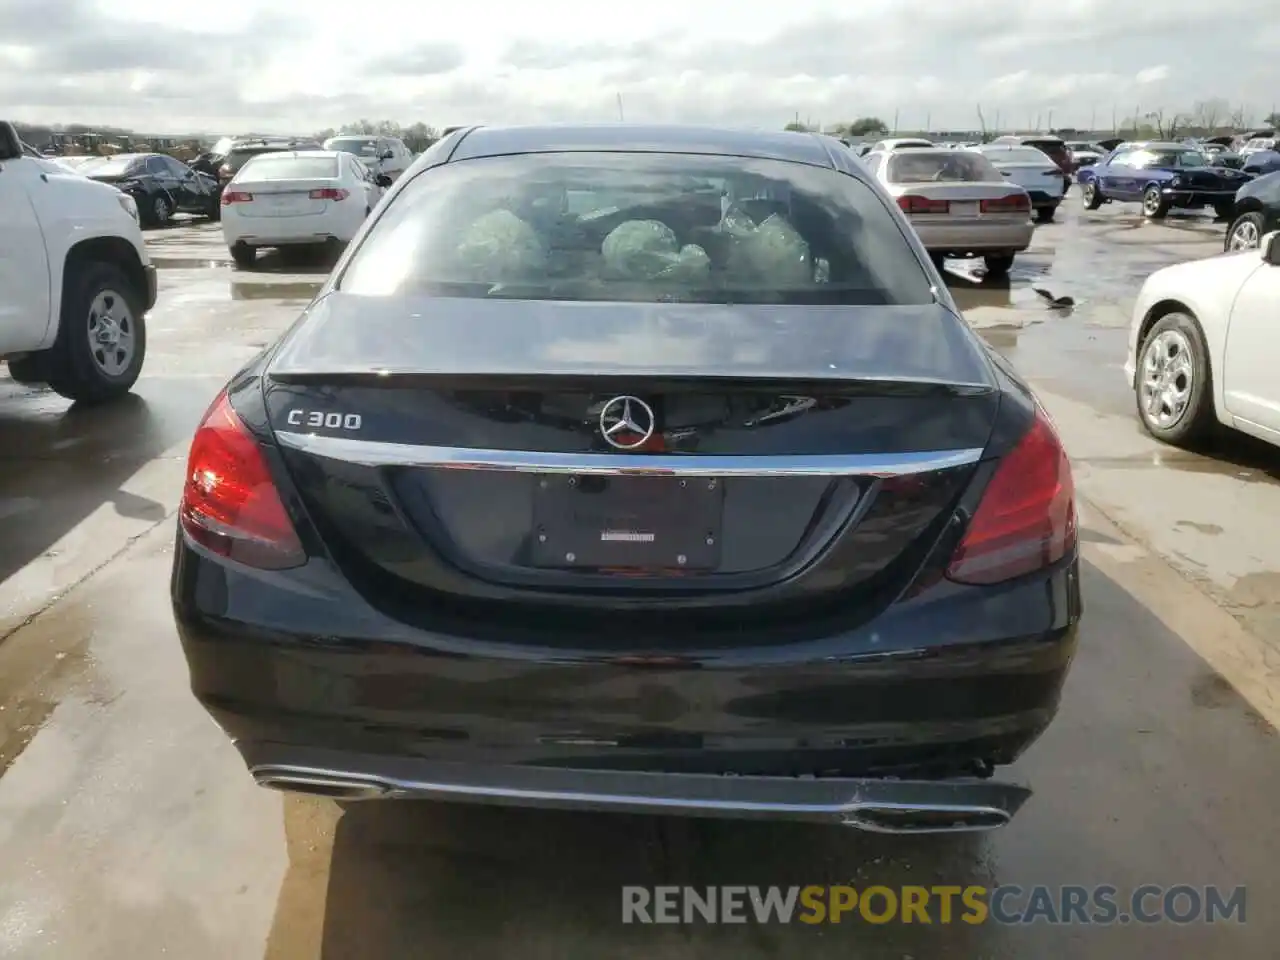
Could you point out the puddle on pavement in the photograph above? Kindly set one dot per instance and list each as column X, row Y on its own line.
column 1212, row 691
column 302, row 290
column 40, row 664
column 1227, row 461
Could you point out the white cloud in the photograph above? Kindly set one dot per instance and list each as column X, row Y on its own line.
column 261, row 65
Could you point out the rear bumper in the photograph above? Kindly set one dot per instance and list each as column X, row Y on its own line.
column 976, row 237
column 876, row 805
column 304, row 676
column 282, row 231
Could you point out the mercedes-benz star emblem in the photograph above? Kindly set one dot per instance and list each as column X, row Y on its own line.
column 626, row 423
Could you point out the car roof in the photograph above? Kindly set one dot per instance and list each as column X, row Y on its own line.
column 812, row 149
column 1157, row 145
column 331, row 154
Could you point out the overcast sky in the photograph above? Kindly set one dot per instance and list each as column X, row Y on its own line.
column 240, row 65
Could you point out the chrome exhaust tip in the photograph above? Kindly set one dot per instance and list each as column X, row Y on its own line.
column 925, row 818
column 328, row 785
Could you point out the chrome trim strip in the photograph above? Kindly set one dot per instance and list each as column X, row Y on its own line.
column 372, row 453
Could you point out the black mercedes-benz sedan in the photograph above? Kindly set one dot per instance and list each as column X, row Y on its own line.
column 633, row 468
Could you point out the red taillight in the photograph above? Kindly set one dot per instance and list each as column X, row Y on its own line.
column 1027, row 517
column 235, row 196
column 1014, row 203
column 229, row 502
column 911, row 204
column 329, row 193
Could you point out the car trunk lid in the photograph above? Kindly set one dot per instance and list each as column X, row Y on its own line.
column 794, row 453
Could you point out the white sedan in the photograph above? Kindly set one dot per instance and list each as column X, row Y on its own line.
column 299, row 198
column 958, row 203
column 1203, row 344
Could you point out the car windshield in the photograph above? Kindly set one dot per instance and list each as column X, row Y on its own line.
column 360, row 146
column 950, row 167
column 1170, row 158
column 283, row 166
column 640, row 228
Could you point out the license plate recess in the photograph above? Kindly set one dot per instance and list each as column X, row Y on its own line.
column 627, row 522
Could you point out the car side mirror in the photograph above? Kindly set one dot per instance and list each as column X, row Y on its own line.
column 382, row 180
column 10, row 142
column 388, row 155
column 1271, row 248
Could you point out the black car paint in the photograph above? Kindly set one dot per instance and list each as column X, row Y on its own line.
column 152, row 175
column 1260, row 197
column 817, row 672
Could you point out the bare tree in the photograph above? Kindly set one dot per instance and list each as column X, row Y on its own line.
column 1240, row 119
column 1166, row 129
column 982, row 122
column 1206, row 114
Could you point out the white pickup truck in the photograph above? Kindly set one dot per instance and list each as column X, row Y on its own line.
column 75, row 278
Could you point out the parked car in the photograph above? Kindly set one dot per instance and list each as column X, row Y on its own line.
column 1258, row 144
column 76, row 277
column 240, row 152
column 1202, row 347
column 1261, row 162
column 385, row 155
column 517, row 475
column 1032, row 170
column 959, row 204
column 1160, row 176
column 899, row 143
column 1084, row 154
column 1055, row 148
column 1255, row 212
column 317, row 198
column 159, row 184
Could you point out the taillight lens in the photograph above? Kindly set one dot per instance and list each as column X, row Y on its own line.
column 235, row 196
column 1014, row 203
column 329, row 193
column 1027, row 517
column 229, row 502
column 911, row 204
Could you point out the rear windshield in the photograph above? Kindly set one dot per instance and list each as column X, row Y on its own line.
column 1020, row 155
column 285, row 167
column 950, row 167
column 640, row 227
column 360, row 146
column 113, row 166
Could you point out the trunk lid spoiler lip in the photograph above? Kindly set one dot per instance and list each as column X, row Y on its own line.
column 374, row 453
column 799, row 382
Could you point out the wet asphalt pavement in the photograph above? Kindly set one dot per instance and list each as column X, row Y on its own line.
column 129, row 828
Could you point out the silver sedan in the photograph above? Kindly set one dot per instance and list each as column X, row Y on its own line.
column 958, row 203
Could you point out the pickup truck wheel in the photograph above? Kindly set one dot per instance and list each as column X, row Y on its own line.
column 102, row 336
column 1046, row 214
